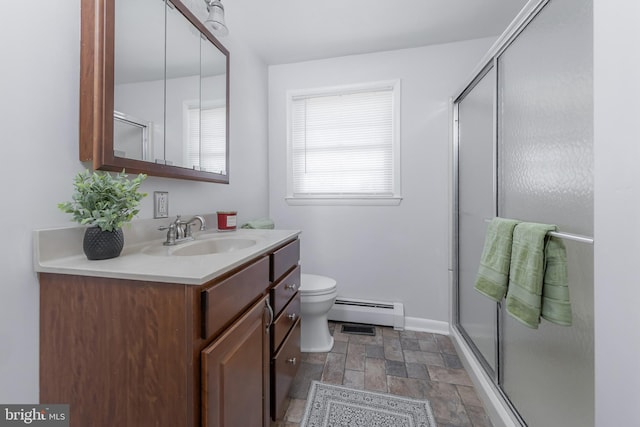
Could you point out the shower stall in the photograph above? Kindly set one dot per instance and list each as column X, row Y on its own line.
column 523, row 149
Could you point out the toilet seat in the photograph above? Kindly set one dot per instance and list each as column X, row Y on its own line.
column 311, row 284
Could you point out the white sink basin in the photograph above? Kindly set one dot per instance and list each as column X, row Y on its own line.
column 202, row 247
column 213, row 246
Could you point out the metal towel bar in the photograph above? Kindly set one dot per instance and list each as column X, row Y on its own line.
column 567, row 236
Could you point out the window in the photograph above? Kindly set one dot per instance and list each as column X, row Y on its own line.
column 206, row 136
column 343, row 145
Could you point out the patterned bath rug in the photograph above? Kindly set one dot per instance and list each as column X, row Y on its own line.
column 331, row 405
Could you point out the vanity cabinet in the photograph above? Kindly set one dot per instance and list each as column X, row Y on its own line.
column 139, row 353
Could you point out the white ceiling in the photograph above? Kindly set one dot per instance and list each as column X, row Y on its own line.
column 285, row 31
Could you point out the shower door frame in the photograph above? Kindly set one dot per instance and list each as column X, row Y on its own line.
column 495, row 375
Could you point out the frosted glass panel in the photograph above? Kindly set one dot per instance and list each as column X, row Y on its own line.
column 549, row 372
column 545, row 164
column 546, row 120
column 477, row 313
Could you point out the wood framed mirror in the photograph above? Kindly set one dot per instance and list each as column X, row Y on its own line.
column 154, row 91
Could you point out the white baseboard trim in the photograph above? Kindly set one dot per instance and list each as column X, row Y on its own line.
column 494, row 404
column 426, row 325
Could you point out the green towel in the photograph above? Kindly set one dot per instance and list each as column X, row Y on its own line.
column 556, row 307
column 526, row 272
column 493, row 274
column 263, row 223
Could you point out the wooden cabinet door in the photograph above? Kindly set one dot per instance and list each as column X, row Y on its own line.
column 235, row 373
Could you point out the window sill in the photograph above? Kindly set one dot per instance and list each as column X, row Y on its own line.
column 344, row 201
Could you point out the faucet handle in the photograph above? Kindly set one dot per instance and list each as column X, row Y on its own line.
column 171, row 234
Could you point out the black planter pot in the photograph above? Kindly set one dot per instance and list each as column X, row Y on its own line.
column 98, row 244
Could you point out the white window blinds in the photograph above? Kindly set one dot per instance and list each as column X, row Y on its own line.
column 206, row 149
column 343, row 143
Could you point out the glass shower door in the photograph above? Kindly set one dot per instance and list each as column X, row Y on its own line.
column 545, row 165
column 477, row 315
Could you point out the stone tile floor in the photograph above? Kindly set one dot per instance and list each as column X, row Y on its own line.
column 413, row 364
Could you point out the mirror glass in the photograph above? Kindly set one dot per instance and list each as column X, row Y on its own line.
column 182, row 84
column 213, row 109
column 131, row 137
column 170, row 90
column 139, row 78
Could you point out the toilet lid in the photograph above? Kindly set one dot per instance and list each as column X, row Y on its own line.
column 312, row 284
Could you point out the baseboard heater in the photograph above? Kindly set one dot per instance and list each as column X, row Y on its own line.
column 370, row 312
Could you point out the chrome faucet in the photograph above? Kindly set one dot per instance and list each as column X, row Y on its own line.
column 179, row 231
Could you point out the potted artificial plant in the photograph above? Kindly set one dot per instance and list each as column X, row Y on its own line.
column 104, row 202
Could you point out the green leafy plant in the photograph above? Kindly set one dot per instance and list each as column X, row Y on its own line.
column 104, row 200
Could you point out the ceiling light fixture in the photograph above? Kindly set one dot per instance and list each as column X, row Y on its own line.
column 215, row 20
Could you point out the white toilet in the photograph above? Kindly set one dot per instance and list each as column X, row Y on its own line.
column 317, row 295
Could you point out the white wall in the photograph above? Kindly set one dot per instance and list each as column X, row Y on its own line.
column 389, row 253
column 617, row 211
column 39, row 133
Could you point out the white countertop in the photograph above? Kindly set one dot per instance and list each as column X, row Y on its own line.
column 59, row 251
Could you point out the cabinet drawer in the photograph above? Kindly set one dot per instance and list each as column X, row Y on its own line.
column 285, row 366
column 285, row 321
column 285, row 290
column 283, row 259
column 223, row 302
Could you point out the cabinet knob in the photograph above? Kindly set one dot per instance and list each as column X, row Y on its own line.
column 292, row 316
column 292, row 361
column 292, row 286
